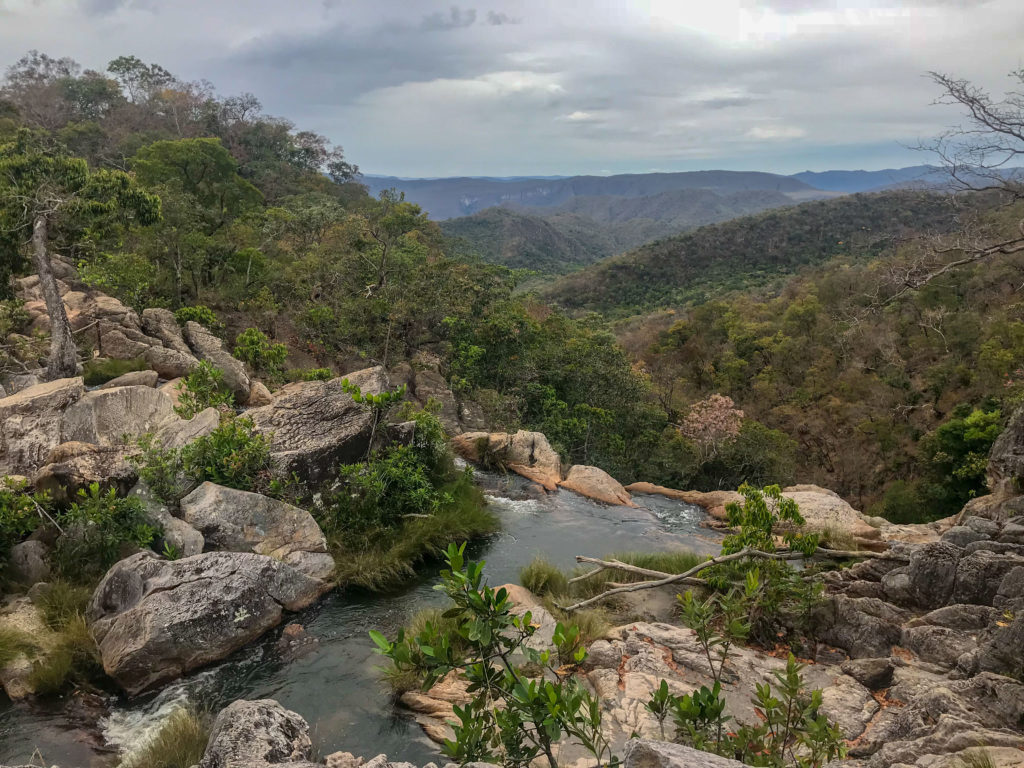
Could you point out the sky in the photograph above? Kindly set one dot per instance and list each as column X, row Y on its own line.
column 564, row 87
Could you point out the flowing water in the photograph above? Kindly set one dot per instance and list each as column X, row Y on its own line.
column 336, row 687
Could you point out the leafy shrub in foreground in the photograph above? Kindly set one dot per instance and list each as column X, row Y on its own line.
column 19, row 515
column 204, row 388
column 253, row 347
column 233, row 455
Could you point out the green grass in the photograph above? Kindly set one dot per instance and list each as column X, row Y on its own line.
column 74, row 659
column 13, row 643
column 100, row 370
column 180, row 743
column 62, row 603
column 398, row 551
column 977, row 758
column 399, row 680
column 543, row 578
column 666, row 562
column 832, row 537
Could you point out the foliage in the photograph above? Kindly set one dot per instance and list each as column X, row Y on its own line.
column 126, row 276
column 311, row 374
column 203, row 388
column 233, row 455
column 198, row 313
column 19, row 513
column 720, row 621
column 100, row 370
column 712, row 422
column 161, row 469
column 253, row 347
column 532, row 714
column 14, row 643
column 72, row 658
column 956, row 456
column 98, row 526
column 757, row 519
column 180, row 742
column 61, row 602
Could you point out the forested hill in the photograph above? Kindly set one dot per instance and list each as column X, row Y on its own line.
column 450, row 197
column 750, row 251
column 586, row 229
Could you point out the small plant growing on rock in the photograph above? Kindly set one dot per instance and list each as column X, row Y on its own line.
column 233, row 455
column 512, row 718
column 204, row 388
column 199, row 314
column 19, row 513
column 720, row 621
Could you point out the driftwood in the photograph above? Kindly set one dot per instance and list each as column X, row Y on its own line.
column 660, row 579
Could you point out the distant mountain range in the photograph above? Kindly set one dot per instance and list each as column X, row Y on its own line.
column 557, row 224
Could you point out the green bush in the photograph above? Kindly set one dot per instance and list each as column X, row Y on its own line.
column 956, row 457
column 233, row 455
column 100, row 370
column 204, row 388
column 161, row 469
column 199, row 314
column 19, row 514
column 253, row 347
column 98, row 528
column 311, row 374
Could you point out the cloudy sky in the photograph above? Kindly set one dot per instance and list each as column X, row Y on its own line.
column 425, row 88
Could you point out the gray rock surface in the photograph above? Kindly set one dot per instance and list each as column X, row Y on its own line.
column 31, row 424
column 133, row 379
column 864, row 627
column 258, row 734
column 240, row 521
column 206, row 346
column 74, row 466
column 28, row 562
column 526, row 453
column 170, row 363
column 933, row 574
column 315, row 425
column 160, row 324
column 155, row 619
column 185, row 539
column 646, row 753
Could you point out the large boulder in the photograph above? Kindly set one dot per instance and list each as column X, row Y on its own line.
column 133, row 379
column 160, row 324
column 595, row 483
column 864, row 627
column 74, row 466
column 979, row 575
column 526, row 453
column 239, row 521
column 208, row 347
column 31, row 424
column 316, row 425
column 181, row 537
column 258, row 734
column 430, row 385
column 155, row 620
column 28, row 562
column 932, row 574
column 170, row 363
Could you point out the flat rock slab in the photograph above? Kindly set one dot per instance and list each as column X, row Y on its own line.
column 596, row 484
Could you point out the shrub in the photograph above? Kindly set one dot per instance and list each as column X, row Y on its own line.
column 204, row 388
column 762, row 511
column 19, row 514
column 161, row 469
column 100, row 370
column 199, row 314
column 180, row 742
column 98, row 527
column 253, row 347
column 311, row 374
column 233, row 455
column 543, row 578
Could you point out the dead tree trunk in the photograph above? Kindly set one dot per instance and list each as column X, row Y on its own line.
column 63, row 352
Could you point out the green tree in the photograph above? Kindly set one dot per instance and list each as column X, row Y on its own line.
column 45, row 194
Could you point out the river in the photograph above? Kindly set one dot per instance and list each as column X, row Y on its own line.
column 335, row 687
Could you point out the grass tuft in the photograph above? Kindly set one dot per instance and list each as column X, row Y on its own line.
column 976, row 758
column 14, row 643
column 401, row 681
column 833, row 537
column 543, row 578
column 100, row 370
column 180, row 743
column 62, row 603
column 73, row 659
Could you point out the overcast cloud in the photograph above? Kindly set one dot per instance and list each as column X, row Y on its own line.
column 424, row 88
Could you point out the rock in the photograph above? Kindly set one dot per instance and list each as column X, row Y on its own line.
column 961, row 536
column 259, row 395
column 133, row 379
column 20, row 615
column 71, row 473
column 646, row 753
column 31, row 424
column 185, row 540
column 864, row 627
column 525, row 453
column 937, row 645
column 173, row 389
column 987, row 528
column 155, row 620
column 315, row 425
column 964, row 617
column 258, row 734
column 1012, row 533
column 208, row 347
column 116, row 344
column 430, row 385
column 1006, row 459
column 849, row 706
column 105, row 417
column 239, row 521
column 1001, row 651
column 980, row 574
column 999, row 547
column 160, row 324
column 596, row 484
column 471, row 416
column 27, row 562
column 1010, row 595
column 21, row 382
column 873, row 674
column 933, row 574
column 170, row 363
column 713, row 501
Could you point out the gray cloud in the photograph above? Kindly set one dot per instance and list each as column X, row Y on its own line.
column 538, row 87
